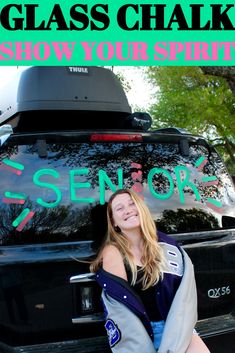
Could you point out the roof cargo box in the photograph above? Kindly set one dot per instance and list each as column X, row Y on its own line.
column 46, row 98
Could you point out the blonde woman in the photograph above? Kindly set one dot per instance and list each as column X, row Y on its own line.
column 149, row 291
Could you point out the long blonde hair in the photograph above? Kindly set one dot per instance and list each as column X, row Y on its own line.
column 152, row 258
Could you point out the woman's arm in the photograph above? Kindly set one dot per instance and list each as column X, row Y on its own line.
column 113, row 261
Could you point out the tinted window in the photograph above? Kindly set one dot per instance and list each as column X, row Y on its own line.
column 57, row 192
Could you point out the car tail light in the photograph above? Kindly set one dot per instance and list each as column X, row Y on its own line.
column 85, row 299
column 116, row 137
column 87, row 303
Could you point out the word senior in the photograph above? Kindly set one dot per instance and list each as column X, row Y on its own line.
column 78, row 179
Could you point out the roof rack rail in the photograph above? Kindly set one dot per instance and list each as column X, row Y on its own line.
column 172, row 130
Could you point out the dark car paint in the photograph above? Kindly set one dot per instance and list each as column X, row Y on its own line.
column 49, row 112
column 38, row 301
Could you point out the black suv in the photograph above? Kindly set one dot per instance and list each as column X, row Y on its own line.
column 68, row 140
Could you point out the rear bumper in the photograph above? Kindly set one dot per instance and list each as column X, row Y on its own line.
column 88, row 345
column 215, row 326
column 217, row 333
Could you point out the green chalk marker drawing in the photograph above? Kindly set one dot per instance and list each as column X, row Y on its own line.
column 13, row 164
column 182, row 174
column 21, row 217
column 15, row 196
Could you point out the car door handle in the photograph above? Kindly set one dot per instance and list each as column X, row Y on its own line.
column 84, row 277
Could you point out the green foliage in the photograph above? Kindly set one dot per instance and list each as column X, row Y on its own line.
column 202, row 104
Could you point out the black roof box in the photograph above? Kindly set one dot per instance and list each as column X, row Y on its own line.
column 47, row 98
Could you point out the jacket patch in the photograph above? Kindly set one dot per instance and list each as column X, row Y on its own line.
column 174, row 259
column 114, row 334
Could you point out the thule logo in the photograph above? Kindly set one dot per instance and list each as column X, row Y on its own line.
column 78, row 70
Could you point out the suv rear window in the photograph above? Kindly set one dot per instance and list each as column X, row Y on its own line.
column 55, row 191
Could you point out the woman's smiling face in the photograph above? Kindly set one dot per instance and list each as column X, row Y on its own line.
column 125, row 213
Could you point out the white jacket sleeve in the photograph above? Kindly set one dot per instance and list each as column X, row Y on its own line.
column 182, row 316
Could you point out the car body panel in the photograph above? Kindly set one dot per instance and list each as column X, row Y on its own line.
column 56, row 180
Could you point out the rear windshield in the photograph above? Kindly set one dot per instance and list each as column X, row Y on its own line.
column 57, row 192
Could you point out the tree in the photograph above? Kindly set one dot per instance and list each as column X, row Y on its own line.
column 228, row 72
column 201, row 103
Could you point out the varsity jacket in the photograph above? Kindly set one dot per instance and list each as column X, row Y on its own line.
column 127, row 323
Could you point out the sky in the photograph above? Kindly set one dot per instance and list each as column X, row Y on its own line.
column 141, row 91
column 139, row 94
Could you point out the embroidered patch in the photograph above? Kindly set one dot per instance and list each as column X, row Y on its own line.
column 114, row 334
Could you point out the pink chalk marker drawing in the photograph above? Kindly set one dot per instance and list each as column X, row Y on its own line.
column 13, row 167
